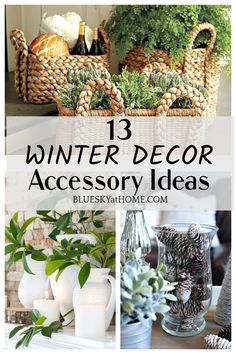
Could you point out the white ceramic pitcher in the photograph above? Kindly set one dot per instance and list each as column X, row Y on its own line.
column 99, row 289
column 32, row 287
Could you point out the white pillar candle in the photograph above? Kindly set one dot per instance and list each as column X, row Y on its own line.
column 49, row 309
column 90, row 321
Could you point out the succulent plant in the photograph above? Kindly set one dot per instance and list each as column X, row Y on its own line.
column 76, row 80
column 144, row 290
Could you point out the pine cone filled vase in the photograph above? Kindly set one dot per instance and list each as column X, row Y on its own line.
column 185, row 249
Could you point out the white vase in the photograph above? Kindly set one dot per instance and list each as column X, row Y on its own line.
column 99, row 289
column 63, row 288
column 32, row 287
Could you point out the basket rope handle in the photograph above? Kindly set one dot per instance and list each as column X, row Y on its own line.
column 154, row 67
column 19, row 42
column 180, row 92
column 187, row 69
column 18, row 39
column 106, row 39
column 104, row 85
column 202, row 27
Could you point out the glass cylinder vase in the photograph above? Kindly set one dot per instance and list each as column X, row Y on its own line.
column 185, row 249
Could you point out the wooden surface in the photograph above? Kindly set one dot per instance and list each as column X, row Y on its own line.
column 162, row 340
column 15, row 106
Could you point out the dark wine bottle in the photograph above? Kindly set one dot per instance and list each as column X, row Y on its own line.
column 95, row 47
column 81, row 47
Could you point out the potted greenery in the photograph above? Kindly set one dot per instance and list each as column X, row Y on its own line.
column 143, row 293
column 191, row 39
column 33, row 260
column 167, row 27
column 136, row 101
column 74, row 263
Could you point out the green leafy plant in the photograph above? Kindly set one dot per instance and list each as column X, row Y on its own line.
column 36, row 326
column 72, row 222
column 144, row 290
column 163, row 82
column 135, row 90
column 101, row 254
column 16, row 248
column 76, row 80
column 167, row 27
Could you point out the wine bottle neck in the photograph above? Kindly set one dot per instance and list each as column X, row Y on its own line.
column 82, row 29
column 95, row 33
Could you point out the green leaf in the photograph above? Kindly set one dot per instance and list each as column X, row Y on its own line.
column 70, row 231
column 27, row 223
column 62, row 268
column 43, row 212
column 20, row 342
column 15, row 330
column 170, row 297
column 63, row 221
column 56, row 325
column 18, row 256
column 111, row 261
column 9, row 236
column 19, row 237
column 15, row 216
column 98, row 223
column 64, row 243
column 35, row 315
column 15, row 229
column 38, row 255
column 40, row 321
column 25, row 264
column 10, row 261
column 47, row 331
column 28, row 336
column 99, row 212
column 81, row 214
column 10, row 247
column 84, row 274
column 52, row 266
column 54, row 233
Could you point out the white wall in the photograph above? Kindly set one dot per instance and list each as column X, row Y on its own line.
column 28, row 18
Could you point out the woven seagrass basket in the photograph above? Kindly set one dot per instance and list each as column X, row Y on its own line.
column 168, row 130
column 163, row 106
column 196, row 65
column 39, row 79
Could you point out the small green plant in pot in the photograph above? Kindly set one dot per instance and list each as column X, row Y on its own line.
column 144, row 292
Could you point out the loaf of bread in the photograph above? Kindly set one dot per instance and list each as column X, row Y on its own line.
column 49, row 45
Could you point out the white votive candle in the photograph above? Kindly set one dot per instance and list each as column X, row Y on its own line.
column 90, row 321
column 49, row 309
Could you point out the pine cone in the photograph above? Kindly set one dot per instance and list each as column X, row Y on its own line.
column 190, row 309
column 214, row 342
column 171, row 274
column 183, row 289
column 166, row 236
column 198, row 239
column 199, row 265
column 225, row 332
column 182, row 245
column 201, row 292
